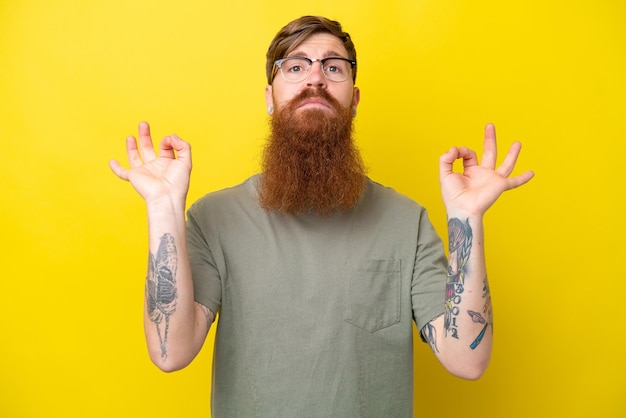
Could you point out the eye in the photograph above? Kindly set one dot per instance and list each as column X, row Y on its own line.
column 295, row 65
column 335, row 66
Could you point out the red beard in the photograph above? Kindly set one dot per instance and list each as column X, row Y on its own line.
column 310, row 163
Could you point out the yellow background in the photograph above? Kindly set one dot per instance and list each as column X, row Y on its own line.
column 77, row 76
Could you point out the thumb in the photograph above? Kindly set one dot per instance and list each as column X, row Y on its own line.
column 118, row 170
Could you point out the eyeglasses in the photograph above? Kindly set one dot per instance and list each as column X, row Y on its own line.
column 296, row 69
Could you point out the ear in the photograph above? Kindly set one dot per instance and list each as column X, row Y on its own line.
column 269, row 99
column 356, row 98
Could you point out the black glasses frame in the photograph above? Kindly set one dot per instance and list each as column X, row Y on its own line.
column 279, row 65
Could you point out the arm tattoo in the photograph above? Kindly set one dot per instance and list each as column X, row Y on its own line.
column 487, row 297
column 460, row 246
column 478, row 317
column 479, row 338
column 429, row 333
column 161, row 291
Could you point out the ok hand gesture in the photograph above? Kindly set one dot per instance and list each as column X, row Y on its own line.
column 474, row 190
column 156, row 177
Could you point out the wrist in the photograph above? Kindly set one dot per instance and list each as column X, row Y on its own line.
column 464, row 215
column 167, row 205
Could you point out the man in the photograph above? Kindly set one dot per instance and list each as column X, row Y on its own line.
column 317, row 272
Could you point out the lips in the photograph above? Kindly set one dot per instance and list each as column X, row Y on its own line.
column 314, row 102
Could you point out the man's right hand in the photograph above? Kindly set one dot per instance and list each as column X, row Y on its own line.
column 157, row 178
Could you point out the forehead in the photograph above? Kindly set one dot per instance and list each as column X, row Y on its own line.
column 320, row 45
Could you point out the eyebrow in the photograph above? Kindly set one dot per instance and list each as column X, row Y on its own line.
column 329, row 53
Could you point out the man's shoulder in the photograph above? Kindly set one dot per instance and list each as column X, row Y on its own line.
column 389, row 196
column 242, row 193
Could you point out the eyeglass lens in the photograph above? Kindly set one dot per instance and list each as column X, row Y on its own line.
column 334, row 69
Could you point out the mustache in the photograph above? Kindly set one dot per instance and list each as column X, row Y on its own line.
column 315, row 93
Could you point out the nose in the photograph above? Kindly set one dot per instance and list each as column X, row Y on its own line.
column 316, row 78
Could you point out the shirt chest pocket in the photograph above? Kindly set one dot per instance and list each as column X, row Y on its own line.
column 373, row 294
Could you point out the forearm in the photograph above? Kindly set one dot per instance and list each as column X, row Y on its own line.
column 462, row 337
column 466, row 329
column 174, row 324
